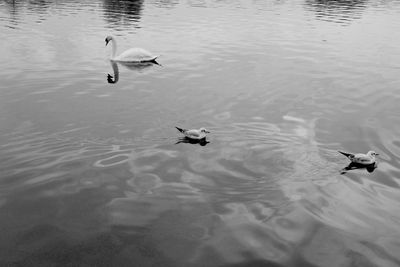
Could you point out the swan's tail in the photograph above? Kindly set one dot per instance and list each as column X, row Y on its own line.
column 154, row 60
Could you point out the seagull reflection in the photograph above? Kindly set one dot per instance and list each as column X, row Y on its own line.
column 354, row 166
column 186, row 140
column 133, row 66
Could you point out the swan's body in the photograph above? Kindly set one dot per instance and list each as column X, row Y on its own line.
column 362, row 159
column 194, row 134
column 130, row 55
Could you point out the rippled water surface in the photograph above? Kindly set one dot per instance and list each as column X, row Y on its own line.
column 93, row 172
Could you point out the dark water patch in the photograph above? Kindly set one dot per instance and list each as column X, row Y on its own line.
column 122, row 13
column 341, row 12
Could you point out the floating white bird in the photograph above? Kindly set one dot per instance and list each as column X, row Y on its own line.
column 362, row 159
column 194, row 134
column 130, row 55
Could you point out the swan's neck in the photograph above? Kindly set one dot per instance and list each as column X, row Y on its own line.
column 114, row 65
column 114, row 48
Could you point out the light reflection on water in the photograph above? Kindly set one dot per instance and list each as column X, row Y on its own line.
column 93, row 171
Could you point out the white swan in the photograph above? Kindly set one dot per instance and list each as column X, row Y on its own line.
column 130, row 55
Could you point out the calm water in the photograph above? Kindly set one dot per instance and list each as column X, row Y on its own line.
column 90, row 172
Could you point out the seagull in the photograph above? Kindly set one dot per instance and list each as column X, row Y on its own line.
column 362, row 159
column 194, row 134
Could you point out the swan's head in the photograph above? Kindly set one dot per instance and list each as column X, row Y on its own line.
column 203, row 130
column 108, row 39
column 372, row 153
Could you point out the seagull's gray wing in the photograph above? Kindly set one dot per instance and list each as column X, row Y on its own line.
column 181, row 129
column 363, row 159
column 193, row 133
column 348, row 155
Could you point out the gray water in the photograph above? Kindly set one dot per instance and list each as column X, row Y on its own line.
column 92, row 170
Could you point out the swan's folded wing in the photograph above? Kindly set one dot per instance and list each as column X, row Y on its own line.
column 136, row 55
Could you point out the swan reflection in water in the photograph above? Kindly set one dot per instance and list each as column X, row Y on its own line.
column 354, row 166
column 134, row 66
column 202, row 142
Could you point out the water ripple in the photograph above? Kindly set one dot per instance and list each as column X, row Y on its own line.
column 93, row 171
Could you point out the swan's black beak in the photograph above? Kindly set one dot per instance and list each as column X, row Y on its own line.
column 107, row 41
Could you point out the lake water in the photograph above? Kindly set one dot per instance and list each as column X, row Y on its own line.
column 94, row 173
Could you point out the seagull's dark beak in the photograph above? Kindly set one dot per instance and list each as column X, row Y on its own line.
column 376, row 154
column 207, row 131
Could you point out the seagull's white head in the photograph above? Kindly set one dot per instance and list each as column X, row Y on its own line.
column 108, row 39
column 203, row 130
column 372, row 153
